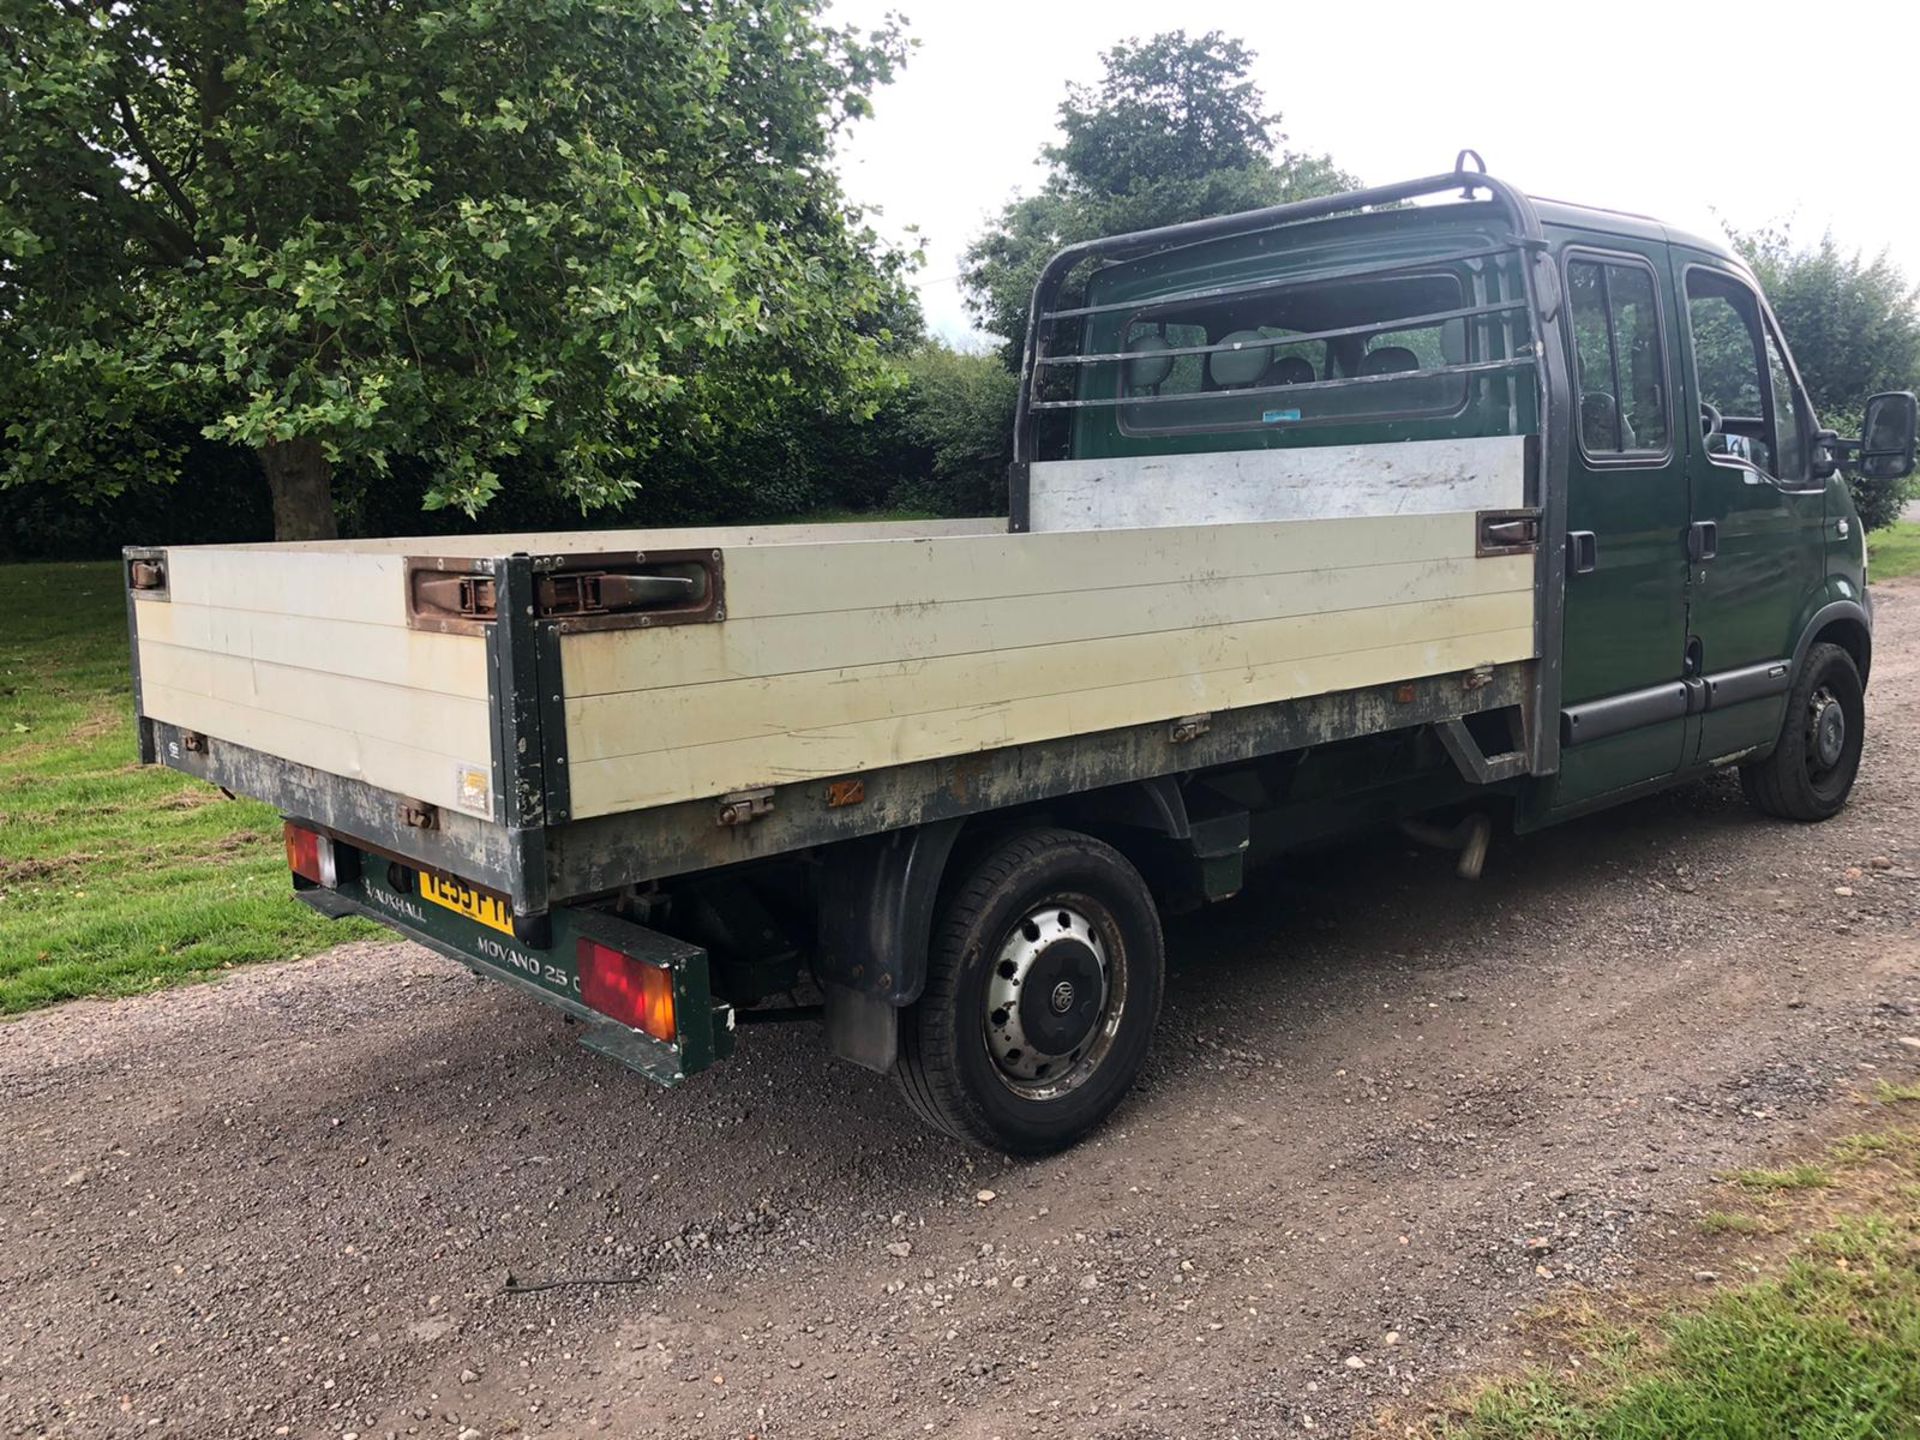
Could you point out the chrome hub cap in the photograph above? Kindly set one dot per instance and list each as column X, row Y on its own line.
column 1052, row 1002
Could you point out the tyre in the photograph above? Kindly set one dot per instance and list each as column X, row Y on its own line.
column 1044, row 981
column 1810, row 772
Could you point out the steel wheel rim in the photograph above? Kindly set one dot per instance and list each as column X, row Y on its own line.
column 1827, row 734
column 1053, row 998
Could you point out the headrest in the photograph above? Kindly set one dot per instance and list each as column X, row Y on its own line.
column 1243, row 366
column 1292, row 370
column 1597, row 412
column 1389, row 360
column 1152, row 368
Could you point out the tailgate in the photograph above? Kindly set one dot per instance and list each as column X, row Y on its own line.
column 305, row 653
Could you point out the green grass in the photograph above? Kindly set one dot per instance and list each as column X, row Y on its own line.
column 840, row 515
column 1826, row 1346
column 1888, row 1094
column 1894, row 551
column 1796, row 1177
column 116, row 877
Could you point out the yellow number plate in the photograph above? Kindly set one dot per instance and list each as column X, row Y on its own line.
column 489, row 910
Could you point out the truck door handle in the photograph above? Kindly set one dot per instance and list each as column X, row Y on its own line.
column 1703, row 540
column 1583, row 551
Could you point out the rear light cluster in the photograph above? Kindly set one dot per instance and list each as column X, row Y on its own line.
column 312, row 856
column 631, row 991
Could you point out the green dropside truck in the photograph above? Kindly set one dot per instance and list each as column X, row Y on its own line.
column 1354, row 512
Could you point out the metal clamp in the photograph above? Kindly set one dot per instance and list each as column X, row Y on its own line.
column 1188, row 728
column 743, row 807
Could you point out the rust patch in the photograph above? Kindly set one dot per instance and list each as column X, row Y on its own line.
column 846, row 792
column 966, row 769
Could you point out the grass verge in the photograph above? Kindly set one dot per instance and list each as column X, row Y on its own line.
column 1894, row 551
column 116, row 877
column 1824, row 1344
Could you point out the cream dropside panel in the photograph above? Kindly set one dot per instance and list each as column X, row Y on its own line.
column 304, row 653
column 843, row 648
column 632, row 781
column 840, row 658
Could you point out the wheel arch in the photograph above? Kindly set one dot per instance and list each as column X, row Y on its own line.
column 1845, row 623
column 878, row 895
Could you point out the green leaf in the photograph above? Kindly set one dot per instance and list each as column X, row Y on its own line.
column 465, row 236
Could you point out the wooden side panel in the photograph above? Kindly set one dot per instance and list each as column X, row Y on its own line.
column 326, row 584
column 304, row 653
column 403, row 769
column 423, row 719
column 562, row 542
column 843, row 648
column 907, row 579
column 413, row 659
column 608, row 664
column 839, row 658
column 1214, row 662
column 633, row 781
column 810, row 579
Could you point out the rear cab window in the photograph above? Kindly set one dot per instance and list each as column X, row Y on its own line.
column 1270, row 362
column 1620, row 383
column 1398, row 325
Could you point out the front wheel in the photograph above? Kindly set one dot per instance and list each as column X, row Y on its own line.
column 1043, row 986
column 1811, row 770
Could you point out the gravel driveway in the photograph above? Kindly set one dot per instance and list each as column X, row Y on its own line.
column 288, row 1203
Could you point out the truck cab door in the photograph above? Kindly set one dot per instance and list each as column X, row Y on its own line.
column 1755, row 541
column 1625, row 618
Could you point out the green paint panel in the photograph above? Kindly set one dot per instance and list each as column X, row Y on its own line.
column 1748, row 603
column 1626, row 620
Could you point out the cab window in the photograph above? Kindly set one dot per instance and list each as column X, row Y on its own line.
column 1620, row 369
column 1790, row 447
column 1749, row 411
column 1249, row 386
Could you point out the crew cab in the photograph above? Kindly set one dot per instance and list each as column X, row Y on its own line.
column 1431, row 504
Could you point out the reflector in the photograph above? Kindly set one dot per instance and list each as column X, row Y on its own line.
column 628, row 990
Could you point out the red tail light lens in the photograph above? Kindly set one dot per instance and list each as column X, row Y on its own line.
column 310, row 856
column 628, row 990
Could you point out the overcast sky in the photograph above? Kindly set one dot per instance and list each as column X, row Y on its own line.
column 1762, row 111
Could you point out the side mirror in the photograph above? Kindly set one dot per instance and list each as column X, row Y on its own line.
column 1826, row 454
column 1888, row 434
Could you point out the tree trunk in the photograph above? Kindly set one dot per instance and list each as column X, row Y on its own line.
column 301, row 479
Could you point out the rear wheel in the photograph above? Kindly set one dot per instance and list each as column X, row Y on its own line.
column 1043, row 985
column 1810, row 772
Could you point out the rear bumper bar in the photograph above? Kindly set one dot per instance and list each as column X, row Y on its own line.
column 385, row 891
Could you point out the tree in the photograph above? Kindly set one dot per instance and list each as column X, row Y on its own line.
column 1854, row 328
column 957, row 415
column 550, row 237
column 1175, row 130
